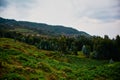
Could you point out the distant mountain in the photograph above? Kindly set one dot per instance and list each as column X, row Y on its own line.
column 39, row 28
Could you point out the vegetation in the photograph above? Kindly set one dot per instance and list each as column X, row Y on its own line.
column 28, row 52
column 25, row 62
column 101, row 48
column 86, row 50
column 39, row 28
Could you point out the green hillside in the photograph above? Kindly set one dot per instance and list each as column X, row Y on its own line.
column 26, row 27
column 20, row 61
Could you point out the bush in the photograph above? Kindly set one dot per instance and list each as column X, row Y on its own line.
column 52, row 77
column 12, row 76
column 44, row 67
column 67, row 70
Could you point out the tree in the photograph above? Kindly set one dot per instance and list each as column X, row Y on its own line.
column 117, row 44
column 62, row 44
column 105, row 48
column 74, row 48
column 86, row 50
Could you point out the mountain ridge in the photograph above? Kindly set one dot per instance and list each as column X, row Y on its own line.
column 43, row 28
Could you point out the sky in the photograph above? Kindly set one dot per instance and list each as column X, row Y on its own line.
column 96, row 17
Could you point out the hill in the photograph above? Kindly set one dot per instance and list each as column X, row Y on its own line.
column 39, row 28
column 20, row 61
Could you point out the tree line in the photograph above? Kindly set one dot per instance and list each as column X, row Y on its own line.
column 95, row 47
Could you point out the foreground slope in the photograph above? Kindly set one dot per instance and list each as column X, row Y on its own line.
column 20, row 61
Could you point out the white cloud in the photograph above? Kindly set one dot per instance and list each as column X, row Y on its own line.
column 97, row 17
column 98, row 27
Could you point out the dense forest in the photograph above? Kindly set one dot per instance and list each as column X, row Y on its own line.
column 94, row 47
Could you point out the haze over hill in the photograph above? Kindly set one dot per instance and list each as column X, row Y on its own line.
column 39, row 28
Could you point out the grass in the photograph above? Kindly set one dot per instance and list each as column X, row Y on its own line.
column 20, row 61
column 23, row 30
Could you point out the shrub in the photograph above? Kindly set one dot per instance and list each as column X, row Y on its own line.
column 12, row 76
column 67, row 70
column 52, row 77
column 44, row 67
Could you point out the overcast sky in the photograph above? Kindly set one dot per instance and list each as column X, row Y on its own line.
column 96, row 17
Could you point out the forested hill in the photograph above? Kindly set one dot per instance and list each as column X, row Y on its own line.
column 39, row 28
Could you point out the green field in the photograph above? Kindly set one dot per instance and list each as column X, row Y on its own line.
column 20, row 61
column 23, row 30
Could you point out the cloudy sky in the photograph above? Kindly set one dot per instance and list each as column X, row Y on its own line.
column 96, row 17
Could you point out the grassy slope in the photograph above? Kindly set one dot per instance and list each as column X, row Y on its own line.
column 24, row 31
column 20, row 61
